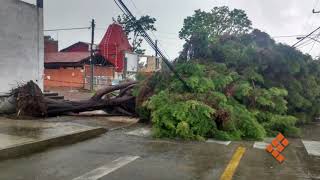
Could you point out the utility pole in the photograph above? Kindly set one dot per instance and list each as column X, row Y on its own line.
column 146, row 36
column 92, row 54
column 157, row 59
column 156, row 42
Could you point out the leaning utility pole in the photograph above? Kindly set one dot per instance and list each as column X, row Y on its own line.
column 146, row 36
column 156, row 43
column 92, row 54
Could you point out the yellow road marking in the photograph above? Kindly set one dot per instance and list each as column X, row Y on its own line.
column 233, row 164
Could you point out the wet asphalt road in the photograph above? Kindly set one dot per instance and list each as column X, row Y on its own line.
column 161, row 160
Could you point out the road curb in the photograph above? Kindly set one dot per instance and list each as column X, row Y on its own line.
column 37, row 146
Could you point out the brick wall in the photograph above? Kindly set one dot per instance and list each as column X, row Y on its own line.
column 69, row 77
column 103, row 76
column 100, row 71
column 75, row 77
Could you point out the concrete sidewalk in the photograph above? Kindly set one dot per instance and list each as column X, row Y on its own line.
column 21, row 137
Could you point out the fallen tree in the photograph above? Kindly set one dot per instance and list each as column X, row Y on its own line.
column 30, row 101
column 221, row 104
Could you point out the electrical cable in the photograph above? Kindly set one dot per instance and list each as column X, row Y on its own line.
column 287, row 36
column 66, row 29
column 305, row 43
column 315, row 39
column 311, row 40
column 146, row 36
column 302, row 39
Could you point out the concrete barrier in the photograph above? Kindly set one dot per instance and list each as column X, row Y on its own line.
column 22, row 149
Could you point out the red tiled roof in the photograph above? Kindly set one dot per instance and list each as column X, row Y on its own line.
column 66, row 57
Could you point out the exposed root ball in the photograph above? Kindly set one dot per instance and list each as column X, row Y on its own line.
column 30, row 100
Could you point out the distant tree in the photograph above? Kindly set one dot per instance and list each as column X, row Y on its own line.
column 203, row 28
column 132, row 27
column 219, row 21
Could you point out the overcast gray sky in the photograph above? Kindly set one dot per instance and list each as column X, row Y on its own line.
column 276, row 17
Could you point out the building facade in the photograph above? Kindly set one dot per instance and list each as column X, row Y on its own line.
column 72, row 70
column 21, row 44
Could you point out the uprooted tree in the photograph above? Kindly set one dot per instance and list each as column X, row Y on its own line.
column 28, row 100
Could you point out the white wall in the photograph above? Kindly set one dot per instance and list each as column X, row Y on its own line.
column 21, row 44
column 132, row 62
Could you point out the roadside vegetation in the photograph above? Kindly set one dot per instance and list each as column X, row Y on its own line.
column 244, row 85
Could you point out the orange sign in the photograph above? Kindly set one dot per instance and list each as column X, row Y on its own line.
column 277, row 146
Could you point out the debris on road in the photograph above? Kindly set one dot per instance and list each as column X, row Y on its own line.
column 30, row 101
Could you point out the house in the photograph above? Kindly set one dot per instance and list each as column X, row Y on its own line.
column 21, row 45
column 72, row 69
column 71, row 66
column 78, row 47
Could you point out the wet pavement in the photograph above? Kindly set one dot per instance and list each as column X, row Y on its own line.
column 108, row 122
column 22, row 137
column 106, row 157
column 14, row 132
column 159, row 159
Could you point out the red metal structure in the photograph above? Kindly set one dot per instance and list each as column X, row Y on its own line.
column 114, row 45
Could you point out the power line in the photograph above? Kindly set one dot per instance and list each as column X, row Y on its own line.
column 67, row 29
column 311, row 47
column 174, row 35
column 290, row 36
column 154, row 36
column 287, row 36
column 304, row 44
column 146, row 36
column 305, row 37
column 310, row 41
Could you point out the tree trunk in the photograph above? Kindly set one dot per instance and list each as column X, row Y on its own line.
column 30, row 101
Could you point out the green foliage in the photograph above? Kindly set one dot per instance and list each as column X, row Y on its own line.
column 222, row 104
column 244, row 84
column 274, row 123
column 248, row 125
column 196, row 78
column 133, row 27
column 203, row 28
column 176, row 118
column 263, row 63
column 219, row 21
